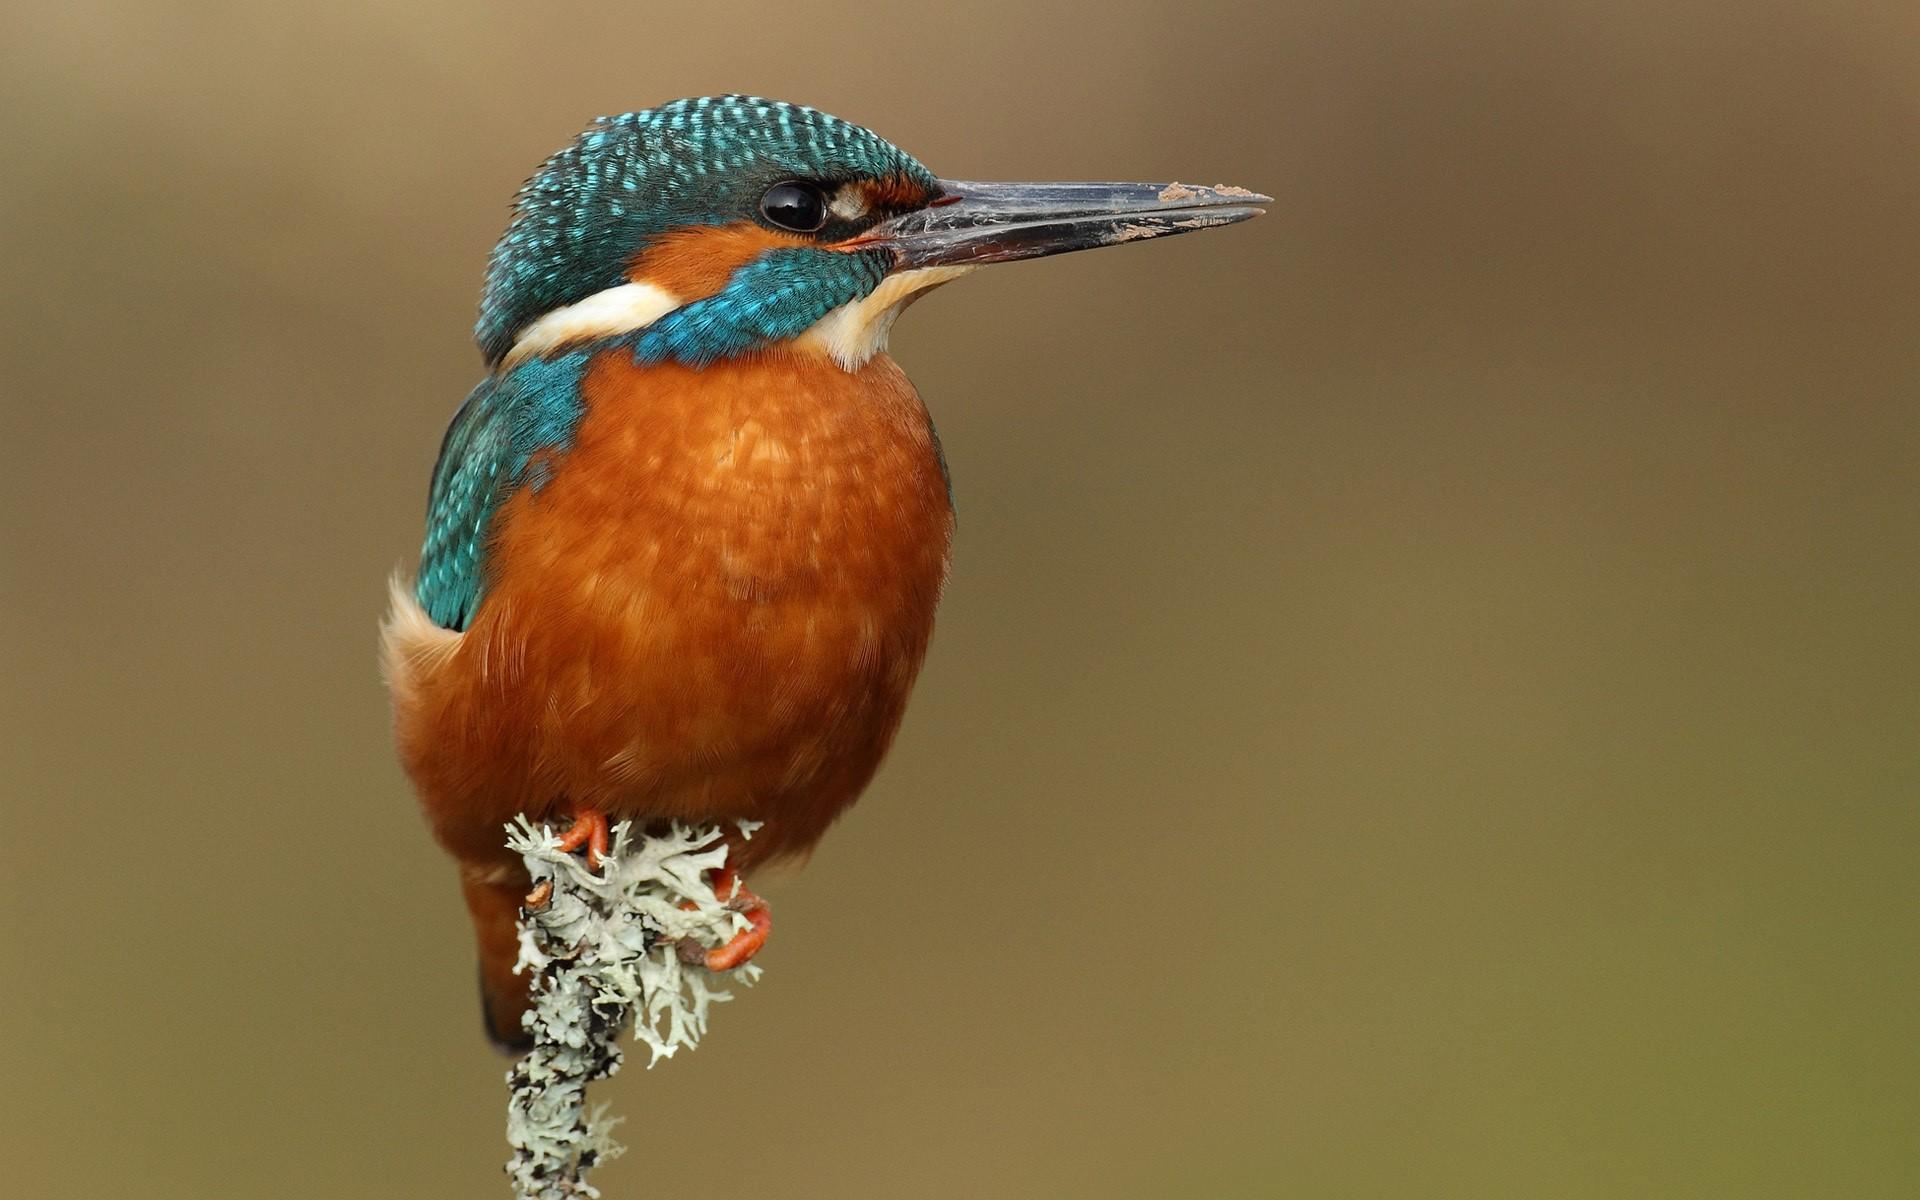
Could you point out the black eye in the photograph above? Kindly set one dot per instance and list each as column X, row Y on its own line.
column 795, row 205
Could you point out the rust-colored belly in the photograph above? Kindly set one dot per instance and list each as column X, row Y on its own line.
column 714, row 608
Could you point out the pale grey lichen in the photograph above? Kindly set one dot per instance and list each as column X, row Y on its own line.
column 604, row 946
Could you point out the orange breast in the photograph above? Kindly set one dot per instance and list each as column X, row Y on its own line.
column 715, row 608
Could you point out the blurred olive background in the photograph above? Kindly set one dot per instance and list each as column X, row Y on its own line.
column 1426, row 704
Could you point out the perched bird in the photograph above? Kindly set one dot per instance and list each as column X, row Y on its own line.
column 685, row 540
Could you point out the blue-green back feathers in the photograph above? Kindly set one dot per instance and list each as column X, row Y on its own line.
column 489, row 452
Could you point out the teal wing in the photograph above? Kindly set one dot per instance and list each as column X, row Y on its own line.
column 531, row 409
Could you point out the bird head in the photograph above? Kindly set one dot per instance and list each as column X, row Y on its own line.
column 726, row 225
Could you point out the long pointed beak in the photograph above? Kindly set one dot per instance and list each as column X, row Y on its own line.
column 976, row 223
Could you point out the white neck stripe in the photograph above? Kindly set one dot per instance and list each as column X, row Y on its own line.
column 621, row 309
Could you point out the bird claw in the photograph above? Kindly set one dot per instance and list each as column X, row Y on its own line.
column 745, row 944
column 741, row 948
column 589, row 829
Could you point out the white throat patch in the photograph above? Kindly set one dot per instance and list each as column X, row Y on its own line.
column 621, row 309
column 856, row 331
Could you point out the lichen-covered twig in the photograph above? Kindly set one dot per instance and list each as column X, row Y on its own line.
column 604, row 947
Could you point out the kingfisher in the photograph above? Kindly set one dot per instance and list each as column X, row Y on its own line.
column 685, row 540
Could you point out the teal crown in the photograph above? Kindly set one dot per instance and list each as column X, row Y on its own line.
column 593, row 206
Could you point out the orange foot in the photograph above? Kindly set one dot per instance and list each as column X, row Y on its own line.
column 589, row 829
column 745, row 944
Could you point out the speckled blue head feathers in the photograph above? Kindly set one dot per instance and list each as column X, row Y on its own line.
column 593, row 206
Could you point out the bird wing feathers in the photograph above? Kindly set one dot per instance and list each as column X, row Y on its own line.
column 505, row 437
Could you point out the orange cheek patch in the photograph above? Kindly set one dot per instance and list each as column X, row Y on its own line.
column 697, row 261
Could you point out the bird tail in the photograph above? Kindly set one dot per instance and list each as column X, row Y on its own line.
column 495, row 908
